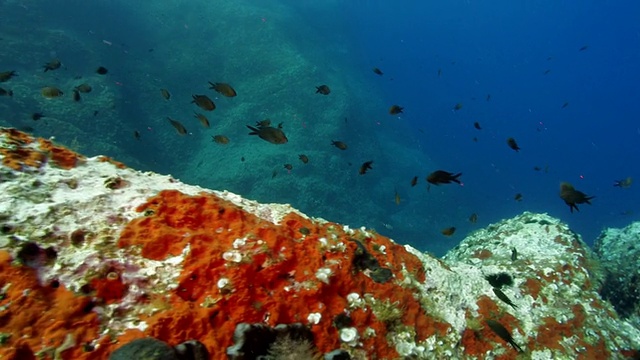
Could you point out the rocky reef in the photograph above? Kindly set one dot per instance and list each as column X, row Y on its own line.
column 95, row 256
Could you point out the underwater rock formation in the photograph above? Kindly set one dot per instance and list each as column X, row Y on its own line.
column 94, row 255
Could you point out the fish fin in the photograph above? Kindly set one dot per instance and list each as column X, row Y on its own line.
column 254, row 131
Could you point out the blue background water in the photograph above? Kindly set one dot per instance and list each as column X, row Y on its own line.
column 276, row 52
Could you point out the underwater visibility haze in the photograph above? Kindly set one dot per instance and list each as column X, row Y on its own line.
column 518, row 97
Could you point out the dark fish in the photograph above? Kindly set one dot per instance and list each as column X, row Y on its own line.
column 473, row 218
column 83, row 88
column 396, row 198
column 584, row 48
column 365, row 167
column 203, row 102
column 443, row 177
column 102, row 70
column 339, row 144
column 625, row 183
column 547, row 71
column 223, row 88
column 303, row 158
column 37, row 116
column 501, row 331
column 513, row 144
column 499, row 280
column 7, row 75
column 439, row 72
column 95, row 112
column 4, row 92
column 514, row 254
column 270, row 134
column 179, row 127
column 265, row 122
column 488, row 97
column 76, row 95
column 573, row 197
column 448, row 231
column 565, row 104
column 274, row 173
column 477, row 125
column 221, row 139
column 457, row 107
column 203, row 119
column 395, row 109
column 52, row 65
column 518, row 197
column 136, row 134
column 377, row 71
column 323, row 89
column 51, row 92
column 414, row 181
column 475, row 139
column 288, row 167
column 502, row 296
column 165, row 94
column 537, row 168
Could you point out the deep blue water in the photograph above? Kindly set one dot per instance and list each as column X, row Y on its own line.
column 434, row 55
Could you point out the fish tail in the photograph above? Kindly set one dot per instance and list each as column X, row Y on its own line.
column 254, row 131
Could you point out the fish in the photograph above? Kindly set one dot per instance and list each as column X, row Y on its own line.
column 439, row 72
column 203, row 102
column 95, row 112
column 396, row 198
column 477, row 125
column 502, row 296
column 178, row 126
column 51, row 92
column 76, row 95
column 83, row 88
column 4, row 92
column 475, row 139
column 339, row 144
column 165, row 94
column 323, row 89
column 303, row 158
column 136, row 134
column 457, row 107
column 488, row 97
column 518, row 197
column 265, row 122
column 511, row 142
column 573, row 197
column 274, row 173
column 52, row 65
column 223, row 88
column 546, row 72
column 585, row 47
column 565, row 104
column 448, row 231
column 443, row 177
column 625, row 183
column 377, row 71
column 514, row 254
column 288, row 167
column 537, row 168
column 365, row 167
column 395, row 110
column 102, row 70
column 37, row 116
column 501, row 331
column 414, row 181
column 7, row 75
column 473, row 218
column 221, row 139
column 269, row 134
column 203, row 119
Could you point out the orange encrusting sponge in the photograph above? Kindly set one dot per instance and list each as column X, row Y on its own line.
column 21, row 153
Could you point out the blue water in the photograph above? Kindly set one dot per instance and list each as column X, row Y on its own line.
column 434, row 55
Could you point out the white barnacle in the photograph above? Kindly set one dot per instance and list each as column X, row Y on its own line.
column 222, row 283
column 354, row 299
column 238, row 243
column 323, row 275
column 232, row 255
column 349, row 335
column 314, row 318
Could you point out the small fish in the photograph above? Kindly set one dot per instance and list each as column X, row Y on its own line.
column 457, row 107
column 518, row 197
column 203, row 119
column 502, row 296
column 448, row 231
column 439, row 72
column 102, row 70
column 52, row 65
column 4, row 92
column 573, row 197
column 223, row 88
column 95, row 113
column 443, row 177
column 537, row 168
column 339, row 144
column 488, row 97
column 365, row 167
column 513, row 144
column 165, row 94
column 501, row 331
column 395, row 110
column 265, row 122
column 377, row 71
column 51, row 92
column 7, row 75
column 76, row 95
column 323, row 89
column 269, row 134
column 547, row 71
column 178, row 126
column 221, row 139
column 303, row 158
column 396, row 198
column 414, row 181
column 565, row 104
column 274, row 173
column 477, row 125
column 585, row 47
column 83, row 88
column 288, row 167
column 475, row 139
column 203, row 102
column 514, row 254
column 625, row 183
column 37, row 116
column 473, row 218
column 136, row 134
